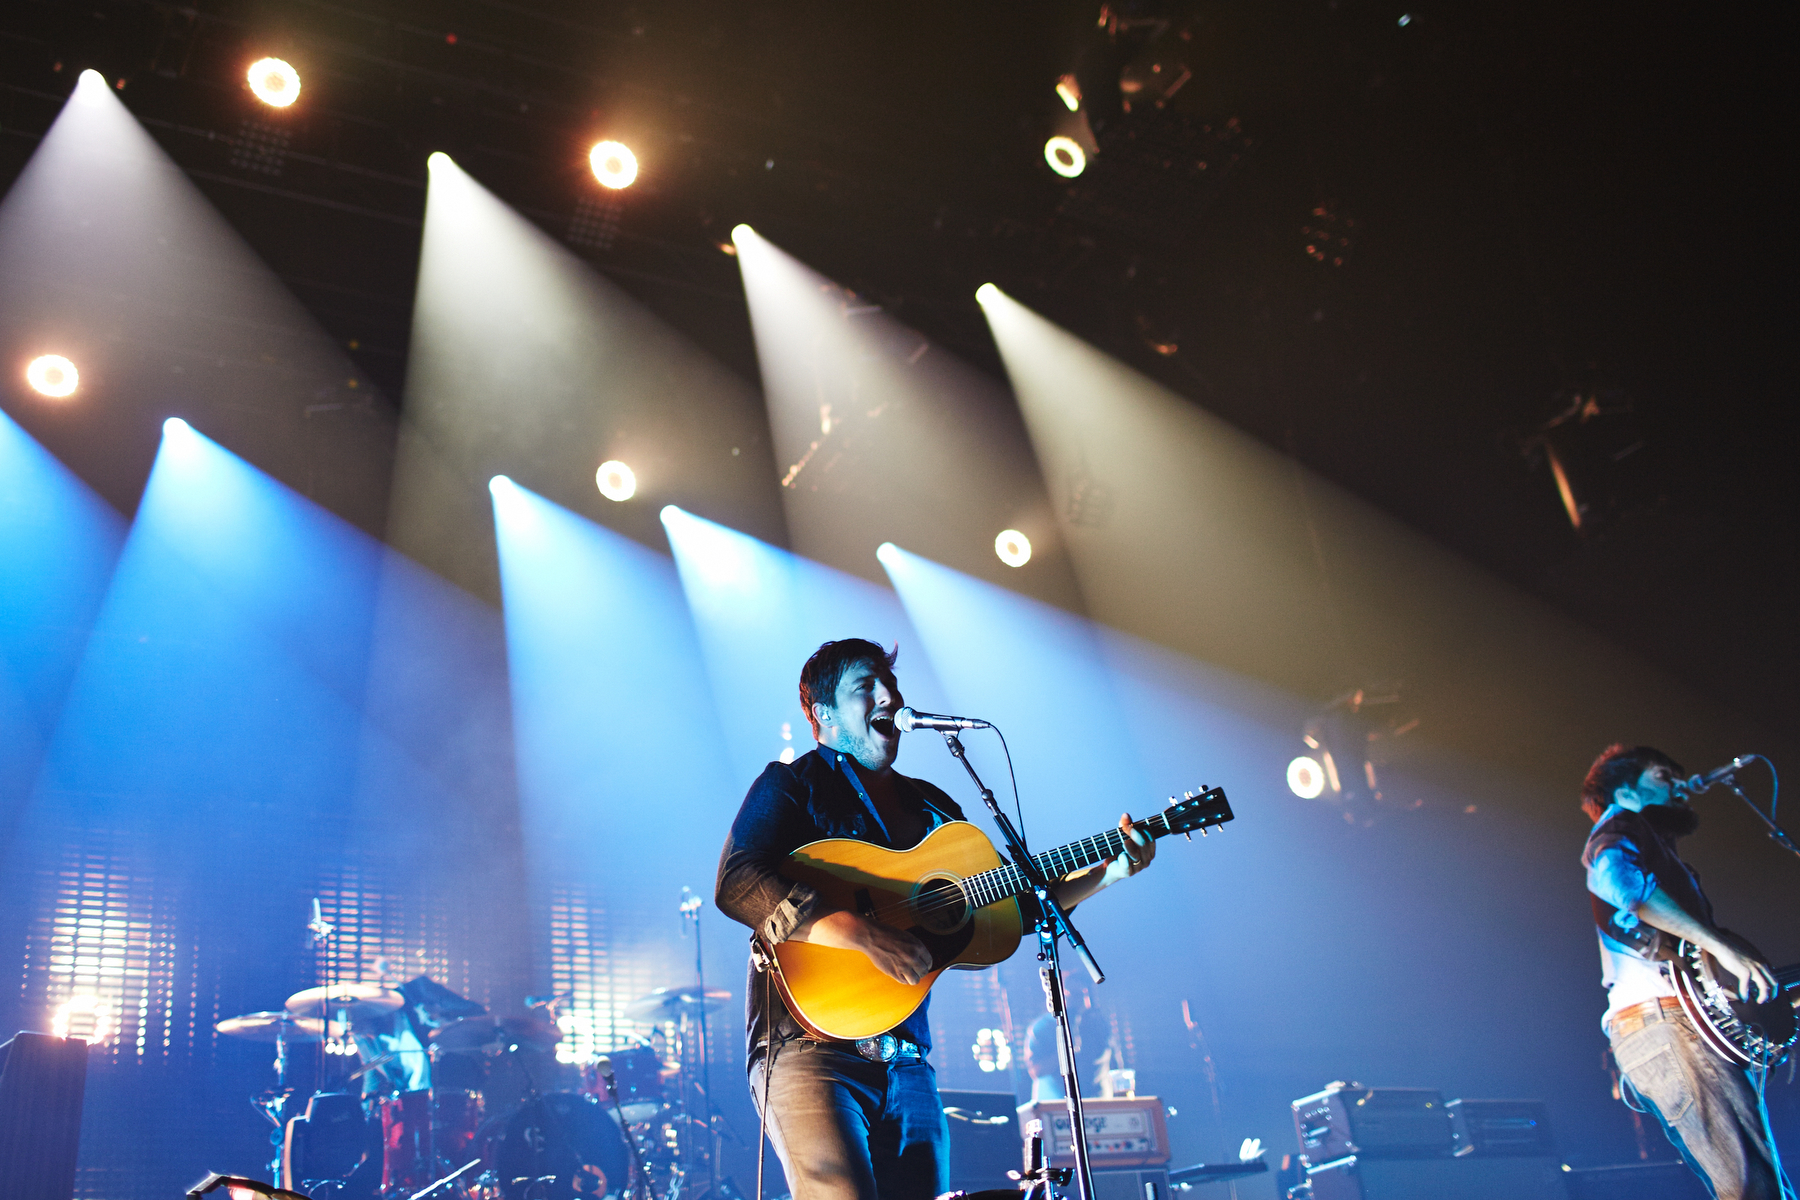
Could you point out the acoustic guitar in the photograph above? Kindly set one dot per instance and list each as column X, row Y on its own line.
column 951, row 891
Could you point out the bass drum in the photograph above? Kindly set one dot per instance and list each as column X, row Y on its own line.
column 556, row 1147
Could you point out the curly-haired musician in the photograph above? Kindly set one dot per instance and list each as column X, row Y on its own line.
column 1644, row 899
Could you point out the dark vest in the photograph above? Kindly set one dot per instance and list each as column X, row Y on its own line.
column 1673, row 876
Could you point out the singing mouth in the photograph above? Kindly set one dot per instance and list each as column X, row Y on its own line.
column 883, row 725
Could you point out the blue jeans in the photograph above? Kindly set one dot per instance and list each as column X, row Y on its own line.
column 850, row 1129
column 1705, row 1105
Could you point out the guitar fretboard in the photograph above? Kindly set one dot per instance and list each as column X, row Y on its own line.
column 1005, row 881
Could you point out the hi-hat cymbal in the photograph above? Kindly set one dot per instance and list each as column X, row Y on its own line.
column 355, row 999
column 268, row 1026
column 671, row 1004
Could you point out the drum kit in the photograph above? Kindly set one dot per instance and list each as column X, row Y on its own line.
column 433, row 1096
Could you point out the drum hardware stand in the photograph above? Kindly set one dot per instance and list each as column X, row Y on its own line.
column 431, row 1189
column 1050, row 923
column 321, row 931
column 1038, row 1173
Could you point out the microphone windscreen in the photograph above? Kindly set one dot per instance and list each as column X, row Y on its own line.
column 603, row 1064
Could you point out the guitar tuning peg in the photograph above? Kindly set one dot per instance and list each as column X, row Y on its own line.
column 1171, row 803
column 1188, row 836
column 1203, row 831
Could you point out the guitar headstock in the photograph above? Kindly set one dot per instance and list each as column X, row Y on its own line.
column 1201, row 809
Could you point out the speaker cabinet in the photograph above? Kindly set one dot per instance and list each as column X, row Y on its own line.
column 984, row 1139
column 1471, row 1178
column 42, row 1082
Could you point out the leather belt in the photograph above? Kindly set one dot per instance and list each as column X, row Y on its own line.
column 1644, row 1012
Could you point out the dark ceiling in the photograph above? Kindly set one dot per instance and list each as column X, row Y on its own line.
column 1420, row 234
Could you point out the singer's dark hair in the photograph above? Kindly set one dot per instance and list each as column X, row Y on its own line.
column 820, row 677
column 1619, row 766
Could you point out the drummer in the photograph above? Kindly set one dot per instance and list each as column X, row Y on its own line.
column 394, row 1046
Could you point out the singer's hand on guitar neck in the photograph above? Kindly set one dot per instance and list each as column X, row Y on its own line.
column 1137, row 856
column 895, row 952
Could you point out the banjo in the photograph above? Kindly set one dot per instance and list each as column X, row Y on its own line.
column 1742, row 1032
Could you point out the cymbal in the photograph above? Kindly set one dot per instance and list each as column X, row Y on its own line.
column 355, row 999
column 490, row 1033
column 671, row 1004
column 267, row 1026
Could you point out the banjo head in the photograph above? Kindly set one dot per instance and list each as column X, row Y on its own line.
column 1759, row 1033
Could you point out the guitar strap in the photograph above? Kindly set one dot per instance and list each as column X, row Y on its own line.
column 844, row 764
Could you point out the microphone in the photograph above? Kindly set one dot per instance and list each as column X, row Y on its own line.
column 1699, row 783
column 603, row 1064
column 907, row 720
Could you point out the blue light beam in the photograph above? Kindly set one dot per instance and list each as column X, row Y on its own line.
column 760, row 613
column 618, row 744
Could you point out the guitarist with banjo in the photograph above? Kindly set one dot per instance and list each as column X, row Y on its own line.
column 1690, row 1005
column 854, row 1118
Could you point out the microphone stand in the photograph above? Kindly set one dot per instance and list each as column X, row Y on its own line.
column 1777, row 834
column 691, row 907
column 1051, row 923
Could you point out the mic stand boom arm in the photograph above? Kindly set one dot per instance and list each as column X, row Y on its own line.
column 1052, row 922
column 1777, row 834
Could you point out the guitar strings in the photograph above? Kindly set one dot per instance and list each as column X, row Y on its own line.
column 959, row 894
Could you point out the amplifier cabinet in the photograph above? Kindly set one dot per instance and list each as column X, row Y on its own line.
column 1355, row 1178
column 1347, row 1118
column 1637, row 1181
column 1516, row 1128
column 1128, row 1131
column 1150, row 1183
column 984, row 1139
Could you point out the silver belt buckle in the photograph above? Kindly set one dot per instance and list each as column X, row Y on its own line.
column 882, row 1048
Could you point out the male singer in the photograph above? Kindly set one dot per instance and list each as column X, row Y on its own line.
column 851, row 1120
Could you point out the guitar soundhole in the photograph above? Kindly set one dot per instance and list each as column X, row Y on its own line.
column 939, row 905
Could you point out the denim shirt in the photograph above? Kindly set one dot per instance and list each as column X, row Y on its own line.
column 818, row 795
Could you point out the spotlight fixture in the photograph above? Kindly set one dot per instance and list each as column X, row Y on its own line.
column 52, row 375
column 1070, row 92
column 274, row 82
column 1065, row 156
column 1306, row 778
column 1013, row 547
column 175, row 427
column 987, row 293
column 615, row 166
column 615, row 480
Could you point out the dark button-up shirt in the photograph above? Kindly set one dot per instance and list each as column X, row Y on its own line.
column 818, row 795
